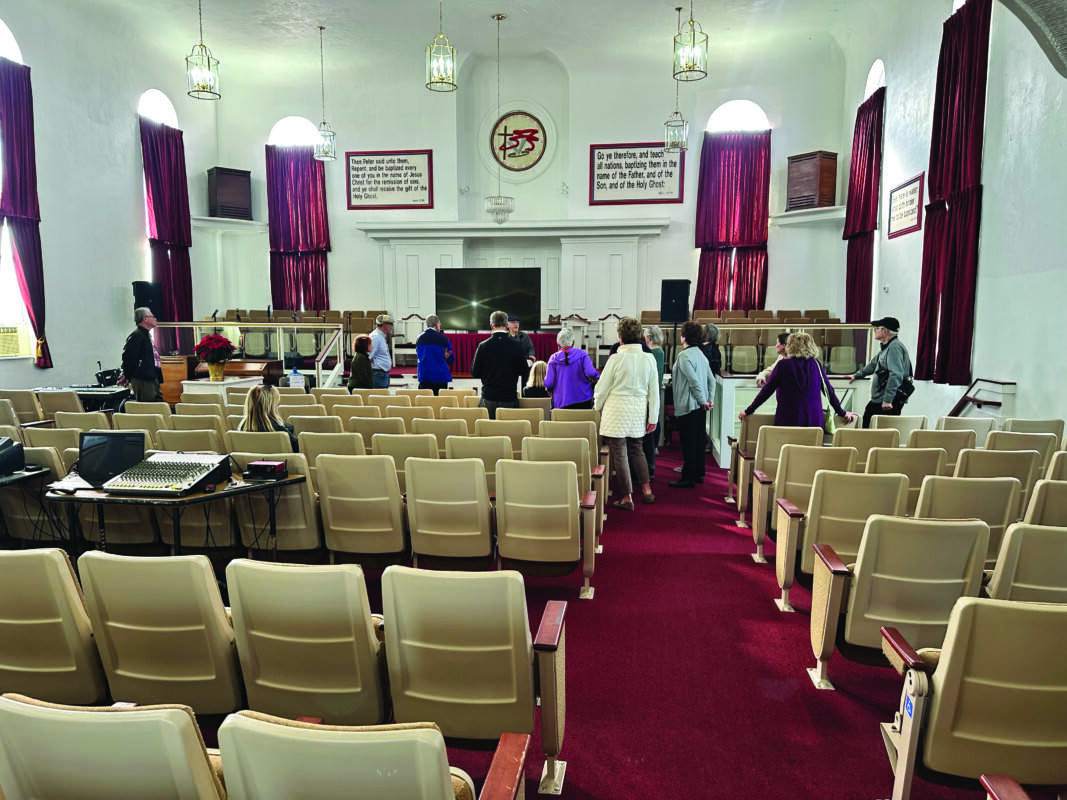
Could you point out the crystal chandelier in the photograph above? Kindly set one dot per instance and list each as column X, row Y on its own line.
column 441, row 58
column 690, row 50
column 498, row 206
column 325, row 147
column 202, row 68
column 675, row 129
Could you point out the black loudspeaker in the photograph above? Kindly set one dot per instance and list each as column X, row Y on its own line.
column 674, row 301
column 148, row 294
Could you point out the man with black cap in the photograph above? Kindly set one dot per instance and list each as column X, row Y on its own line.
column 525, row 341
column 891, row 368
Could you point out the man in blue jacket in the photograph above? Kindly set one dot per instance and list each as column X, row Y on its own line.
column 435, row 356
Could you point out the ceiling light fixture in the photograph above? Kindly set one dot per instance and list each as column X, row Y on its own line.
column 202, row 68
column 498, row 206
column 441, row 58
column 690, row 50
column 326, row 147
column 675, row 129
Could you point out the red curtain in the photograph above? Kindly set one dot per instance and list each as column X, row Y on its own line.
column 732, row 208
column 861, row 209
column 950, row 248
column 171, row 268
column 299, row 228
column 18, row 196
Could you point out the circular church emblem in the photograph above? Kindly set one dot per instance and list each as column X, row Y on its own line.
column 518, row 141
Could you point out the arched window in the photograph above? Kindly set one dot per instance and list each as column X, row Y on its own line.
column 291, row 131
column 956, row 4
column 875, row 78
column 156, row 106
column 9, row 48
column 738, row 115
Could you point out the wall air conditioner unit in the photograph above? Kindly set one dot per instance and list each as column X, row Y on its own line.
column 9, row 341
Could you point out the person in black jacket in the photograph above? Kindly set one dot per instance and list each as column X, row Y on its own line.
column 140, row 359
column 499, row 361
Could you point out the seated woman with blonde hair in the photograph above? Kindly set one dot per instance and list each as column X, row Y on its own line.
column 799, row 382
column 535, row 386
column 261, row 413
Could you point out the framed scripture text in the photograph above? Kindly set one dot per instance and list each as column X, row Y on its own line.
column 906, row 207
column 635, row 173
column 387, row 179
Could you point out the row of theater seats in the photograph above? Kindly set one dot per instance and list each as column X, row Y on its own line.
column 935, row 569
column 452, row 657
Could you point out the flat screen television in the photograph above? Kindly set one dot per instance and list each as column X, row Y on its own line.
column 466, row 297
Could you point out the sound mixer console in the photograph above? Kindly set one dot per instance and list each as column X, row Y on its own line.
column 171, row 475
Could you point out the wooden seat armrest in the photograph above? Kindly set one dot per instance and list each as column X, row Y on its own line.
column 731, row 440
column 505, row 777
column 598, row 471
column 744, row 454
column 1002, row 787
column 789, row 508
column 904, row 651
column 588, row 501
column 551, row 627
column 830, row 558
column 39, row 423
column 762, row 477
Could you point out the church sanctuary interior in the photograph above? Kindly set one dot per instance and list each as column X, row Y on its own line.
column 314, row 530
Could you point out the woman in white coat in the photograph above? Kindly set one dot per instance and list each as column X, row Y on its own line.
column 627, row 397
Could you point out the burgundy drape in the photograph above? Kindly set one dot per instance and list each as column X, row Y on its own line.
column 169, row 231
column 18, row 196
column 299, row 228
column 950, row 246
column 861, row 208
column 732, row 209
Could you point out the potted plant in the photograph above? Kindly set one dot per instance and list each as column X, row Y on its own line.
column 215, row 351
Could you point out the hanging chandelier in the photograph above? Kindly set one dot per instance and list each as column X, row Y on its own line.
column 441, row 58
column 498, row 206
column 690, row 50
column 202, row 68
column 675, row 129
column 326, row 146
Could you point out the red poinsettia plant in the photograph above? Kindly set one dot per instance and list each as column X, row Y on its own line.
column 214, row 349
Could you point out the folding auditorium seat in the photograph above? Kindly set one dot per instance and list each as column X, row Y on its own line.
column 742, row 347
column 53, row 401
column 834, row 513
column 457, row 393
column 468, row 415
column 83, row 421
column 362, row 508
column 288, row 394
column 303, row 424
column 365, row 394
column 285, row 412
column 321, row 393
column 994, row 697
column 202, row 398
column 980, row 425
column 744, row 443
column 566, row 427
column 413, row 393
column 952, row 442
column 153, row 751
column 25, row 403
column 542, row 525
column 1057, row 467
column 335, row 403
column 1030, row 565
column 199, row 422
column 1024, row 465
column 576, row 415
column 307, row 642
column 904, row 424
column 460, row 655
column 1044, row 443
column 134, row 407
column 59, row 438
column 1020, row 425
column 162, row 630
column 152, row 423
column 258, row 442
column 449, row 513
column 995, row 501
column 864, row 440
column 542, row 403
column 313, row 444
column 441, row 429
column 383, row 401
column 369, row 427
column 489, row 449
column 514, row 429
column 8, row 415
column 471, row 401
column 915, row 463
column 408, row 414
column 907, row 573
column 237, row 396
column 296, row 509
column 198, row 409
column 535, row 416
column 1048, row 504
column 436, row 403
column 401, row 447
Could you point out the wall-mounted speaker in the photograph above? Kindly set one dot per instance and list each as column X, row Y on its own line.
column 674, row 301
column 229, row 193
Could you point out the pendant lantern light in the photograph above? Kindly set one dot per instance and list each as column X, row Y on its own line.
column 441, row 58
column 690, row 50
column 326, row 147
column 202, row 68
column 498, row 206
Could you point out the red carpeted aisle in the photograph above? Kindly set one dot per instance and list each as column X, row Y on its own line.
column 684, row 680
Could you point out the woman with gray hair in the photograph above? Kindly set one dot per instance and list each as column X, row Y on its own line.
column 571, row 375
column 654, row 340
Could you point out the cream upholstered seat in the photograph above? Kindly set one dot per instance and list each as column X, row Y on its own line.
column 306, row 410
column 516, row 430
column 306, row 641
column 413, row 393
column 1044, row 443
column 202, row 398
column 995, row 501
column 83, row 421
column 590, row 478
column 364, row 394
column 8, row 415
column 1030, row 565
column 1021, row 425
column 441, row 429
column 995, row 701
column 236, row 395
column 980, row 425
column 460, row 654
column 863, row 439
column 544, row 404
column 147, row 752
column 489, row 449
column 295, row 396
column 1048, row 505
column 258, row 442
column 13, row 432
column 471, row 401
column 468, row 415
column 449, row 514
column 904, row 424
column 401, row 447
column 409, row 414
column 576, row 415
column 769, row 442
column 347, row 413
column 296, row 509
column 744, row 443
column 25, row 403
column 178, row 647
column 59, row 438
column 46, row 641
column 312, row 445
column 539, row 525
column 1024, row 465
column 134, row 407
column 535, row 416
column 457, row 393
column 383, row 401
column 335, row 402
column 436, row 403
column 1057, row 467
column 288, row 392
column 793, row 476
column 320, row 392
column 315, row 425
column 200, row 422
column 837, row 508
column 59, row 400
column 153, row 423
column 362, row 508
column 952, row 442
column 198, row 409
column 908, row 573
column 271, row 758
column 369, row 427
column 571, row 428
column 192, row 440
column 915, row 463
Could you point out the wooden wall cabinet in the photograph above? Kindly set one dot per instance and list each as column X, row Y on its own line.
column 811, row 181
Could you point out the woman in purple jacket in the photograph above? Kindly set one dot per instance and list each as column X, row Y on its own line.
column 799, row 383
column 571, row 374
